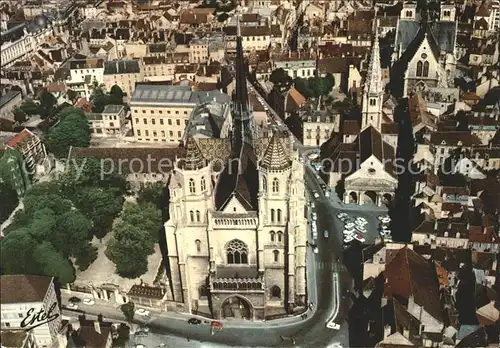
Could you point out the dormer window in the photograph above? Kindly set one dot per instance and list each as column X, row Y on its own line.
column 459, row 143
column 443, row 142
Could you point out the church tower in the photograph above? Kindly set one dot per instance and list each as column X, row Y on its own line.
column 373, row 92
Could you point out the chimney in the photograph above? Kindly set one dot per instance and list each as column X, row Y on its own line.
column 406, row 333
column 97, row 327
column 117, row 70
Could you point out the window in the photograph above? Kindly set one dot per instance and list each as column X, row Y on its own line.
column 136, row 120
column 276, row 255
column 279, row 215
column 272, row 234
column 145, row 120
column 264, row 183
column 191, row 215
column 203, row 184
column 163, row 133
column 178, row 122
column 192, row 187
column 161, row 120
column 237, row 252
column 275, row 292
column 138, row 133
column 198, row 216
column 373, row 102
column 276, row 185
column 147, row 133
column 179, row 134
column 426, row 70
column 203, row 290
column 155, row 134
column 153, row 121
column 198, row 245
column 419, row 68
column 272, row 215
column 160, row 112
column 171, row 133
column 169, row 122
column 280, row 236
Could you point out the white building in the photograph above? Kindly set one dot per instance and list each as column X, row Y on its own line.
column 84, row 73
column 236, row 237
column 22, row 298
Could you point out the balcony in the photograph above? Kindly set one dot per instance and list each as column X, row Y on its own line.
column 235, row 221
column 237, row 278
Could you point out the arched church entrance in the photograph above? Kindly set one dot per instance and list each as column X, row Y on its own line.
column 369, row 197
column 237, row 308
column 353, row 197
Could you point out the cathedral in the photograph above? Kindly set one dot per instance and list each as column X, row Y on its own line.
column 236, row 237
column 424, row 57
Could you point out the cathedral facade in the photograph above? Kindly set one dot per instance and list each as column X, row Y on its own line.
column 236, row 237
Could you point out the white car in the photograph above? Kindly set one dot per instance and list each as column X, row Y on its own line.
column 312, row 205
column 325, row 233
column 350, row 225
column 88, row 301
column 316, row 195
column 332, row 325
column 315, row 235
column 327, row 194
column 72, row 306
column 341, row 216
column 314, row 216
column 361, row 229
column 360, row 221
column 315, row 250
column 142, row 312
column 348, row 239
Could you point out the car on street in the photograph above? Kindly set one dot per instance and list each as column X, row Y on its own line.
column 359, row 237
column 314, row 216
column 88, row 301
column 216, row 324
column 194, row 321
column 385, row 219
column 348, row 239
column 72, row 306
column 327, row 194
column 316, row 194
column 342, row 216
column 315, row 250
column 360, row 221
column 361, row 229
column 332, row 325
column 325, row 233
column 142, row 312
column 312, row 205
column 350, row 225
column 349, row 232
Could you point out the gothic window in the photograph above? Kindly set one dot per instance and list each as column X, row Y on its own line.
column 264, row 183
column 198, row 245
column 279, row 215
column 237, row 252
column 373, row 102
column 203, row 291
column 409, row 14
column 272, row 215
column 192, row 187
column 276, row 255
column 276, row 185
column 203, row 184
column 198, row 216
column 426, row 70
column 273, row 236
column 280, row 236
column 191, row 215
column 275, row 292
column 419, row 68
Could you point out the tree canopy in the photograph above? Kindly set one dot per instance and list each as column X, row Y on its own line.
column 72, row 130
column 134, row 238
column 314, row 87
column 20, row 115
column 100, row 98
column 280, row 78
column 29, row 107
column 47, row 104
column 9, row 201
column 128, row 310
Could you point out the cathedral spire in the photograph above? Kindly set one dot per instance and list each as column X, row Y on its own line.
column 241, row 97
column 373, row 92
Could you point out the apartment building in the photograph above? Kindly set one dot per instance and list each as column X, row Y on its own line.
column 84, row 72
column 161, row 113
column 254, row 38
column 158, row 68
column 124, row 73
column 111, row 122
column 24, row 296
column 198, row 50
column 8, row 102
column 300, row 64
column 319, row 126
column 31, row 147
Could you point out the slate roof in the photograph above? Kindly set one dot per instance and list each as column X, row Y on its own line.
column 275, row 157
column 23, row 288
column 121, row 67
column 444, row 33
column 371, row 143
column 194, row 158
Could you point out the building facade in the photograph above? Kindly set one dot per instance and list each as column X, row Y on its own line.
column 236, row 237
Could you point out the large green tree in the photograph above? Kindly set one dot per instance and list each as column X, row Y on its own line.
column 116, row 95
column 99, row 99
column 72, row 130
column 16, row 253
column 29, row 107
column 153, row 193
column 280, row 78
column 146, row 216
column 128, row 310
column 9, row 201
column 47, row 104
column 53, row 263
column 20, row 115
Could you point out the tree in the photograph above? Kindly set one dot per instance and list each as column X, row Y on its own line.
column 72, row 95
column 116, row 95
column 53, row 263
column 29, row 107
column 152, row 193
column 19, row 115
column 123, row 336
column 303, row 87
column 47, row 103
column 222, row 17
column 280, row 78
column 99, row 99
column 128, row 310
column 9, row 201
column 16, row 253
column 73, row 130
column 319, row 86
column 85, row 256
column 329, row 82
column 146, row 216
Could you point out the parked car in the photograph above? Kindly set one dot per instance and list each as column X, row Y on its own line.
column 74, row 300
column 361, row 229
column 312, row 205
column 359, row 237
column 144, row 328
column 325, row 233
column 350, row 225
column 327, row 194
column 360, row 221
column 332, row 325
column 142, row 312
column 314, row 216
column 73, row 306
column 348, row 239
column 342, row 216
column 315, row 250
column 349, row 232
column 316, row 195
column 88, row 301
column 216, row 324
column 194, row 321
